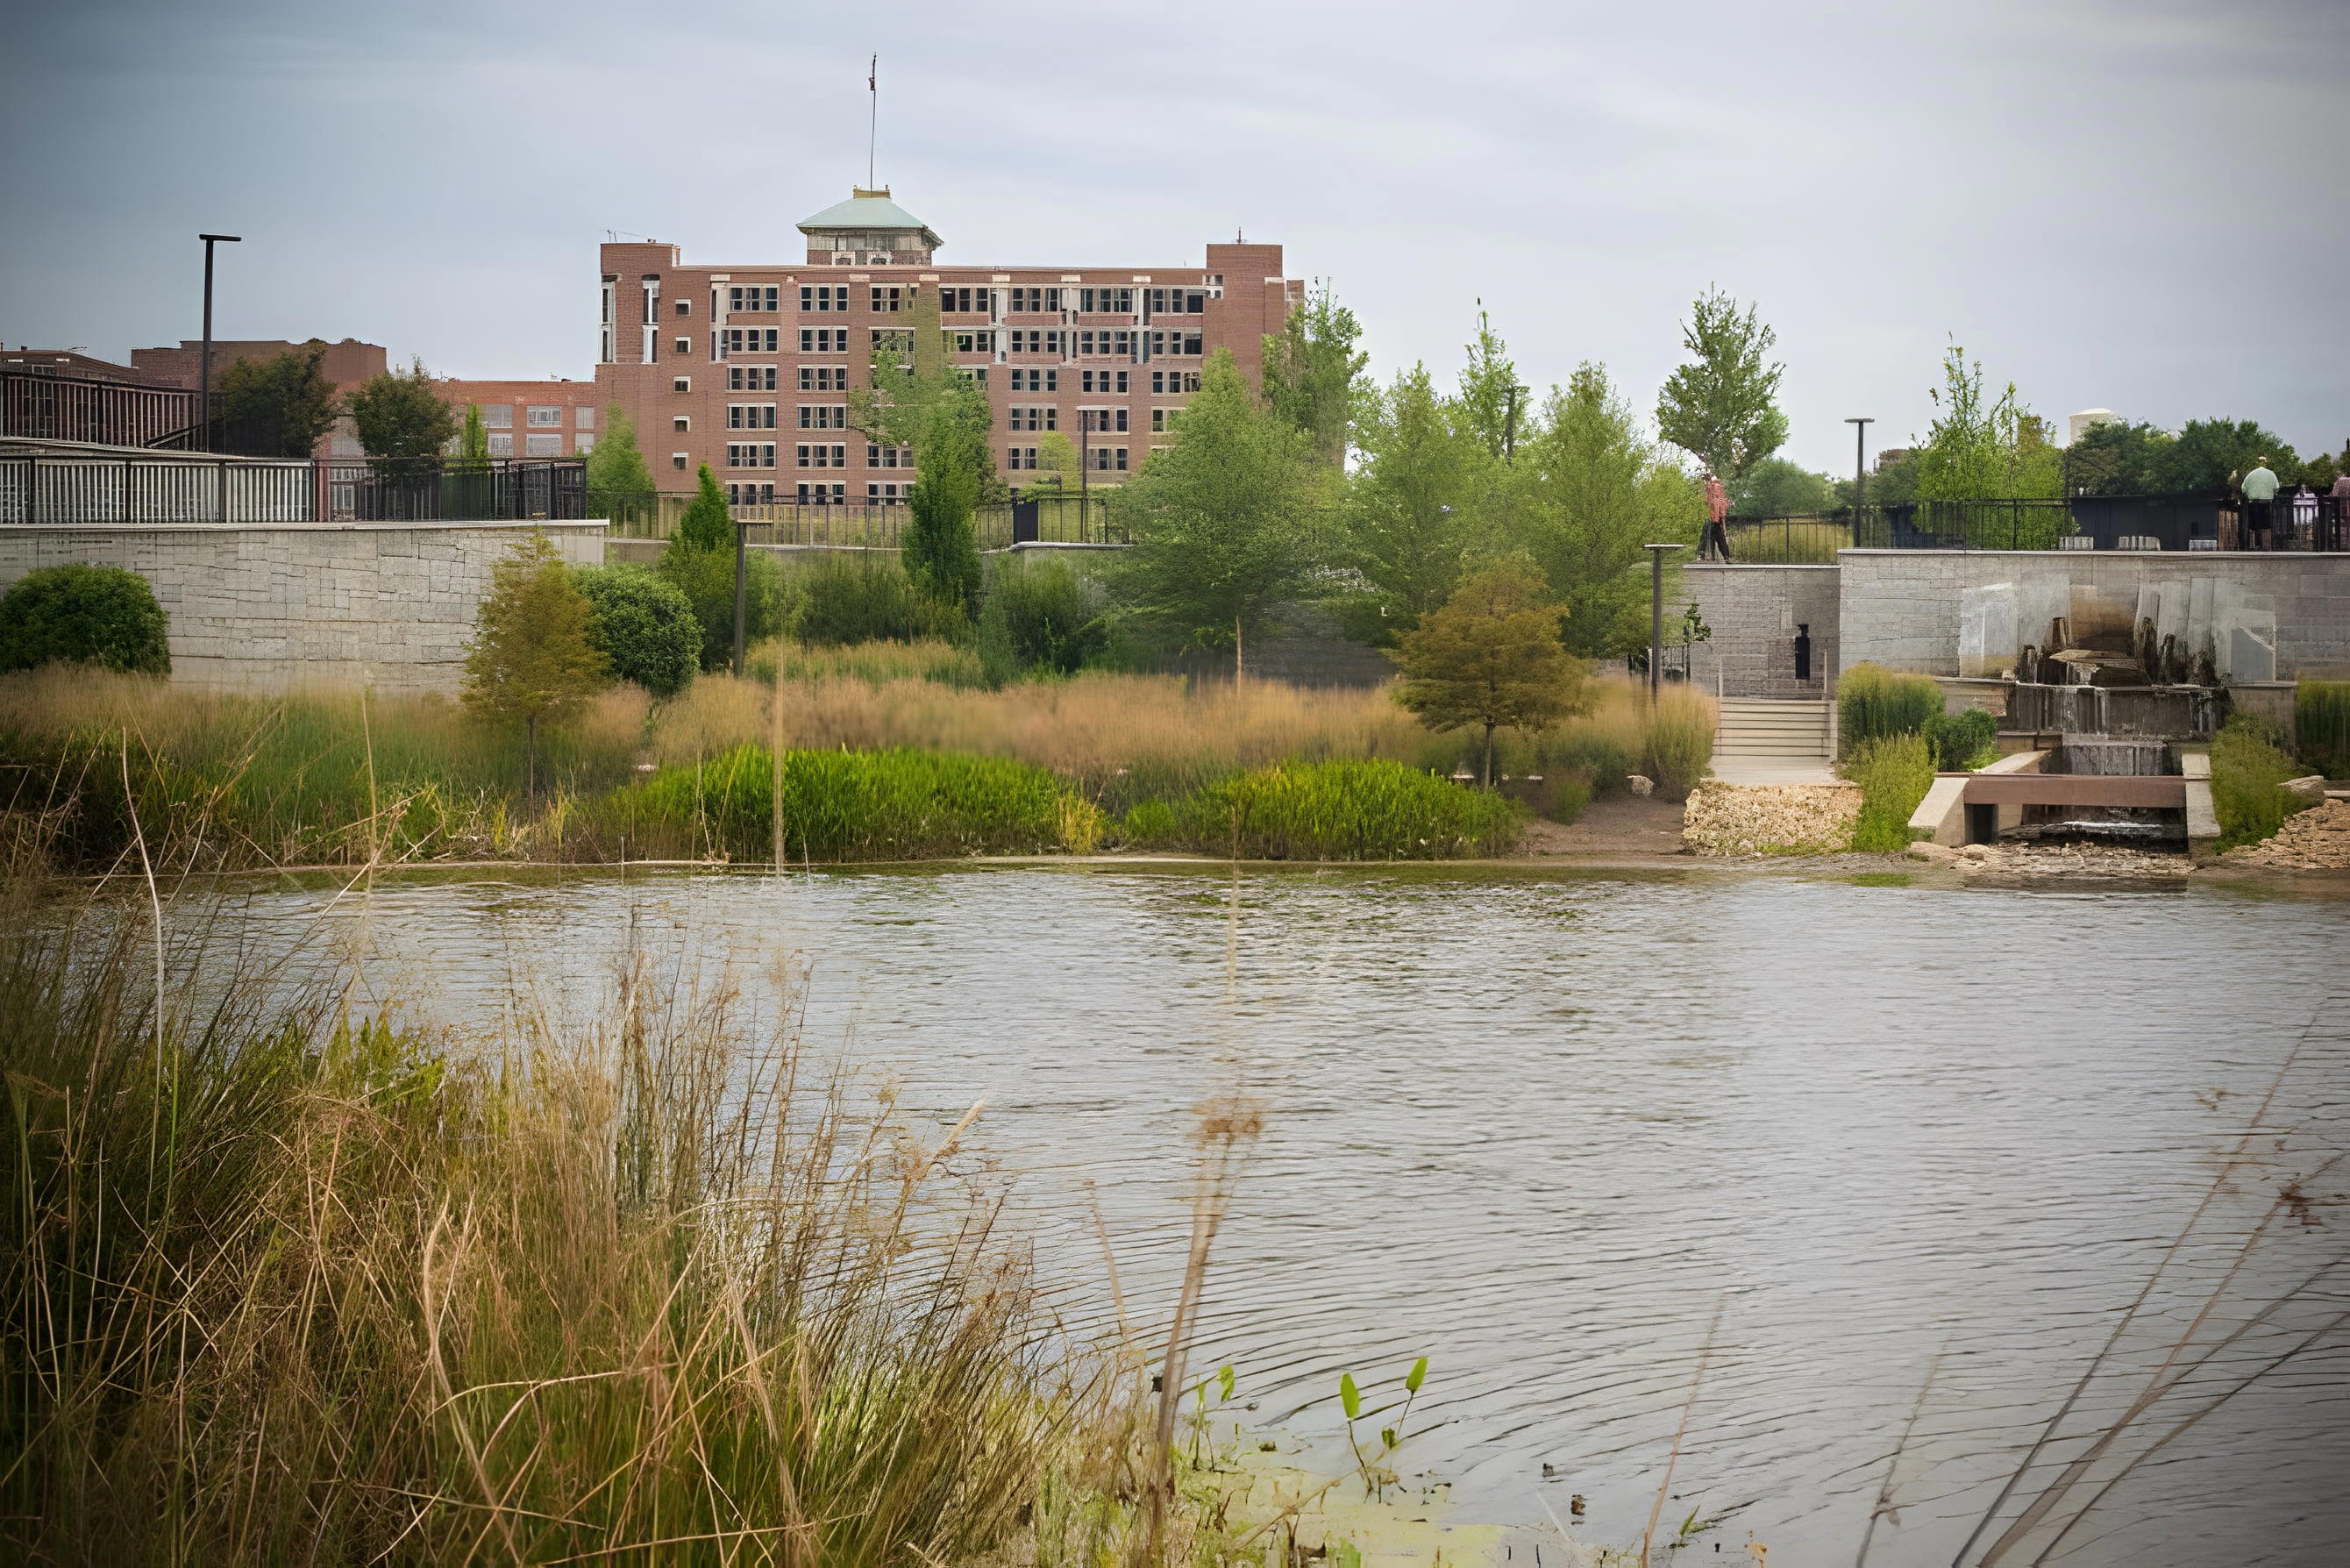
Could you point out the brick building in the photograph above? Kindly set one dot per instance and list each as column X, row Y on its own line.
column 531, row 418
column 746, row 367
column 347, row 363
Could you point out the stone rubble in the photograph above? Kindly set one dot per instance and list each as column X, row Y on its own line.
column 2313, row 840
column 1770, row 820
column 2055, row 859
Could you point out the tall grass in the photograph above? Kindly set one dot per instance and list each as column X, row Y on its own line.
column 2247, row 766
column 287, row 1285
column 1894, row 772
column 1874, row 702
column 1679, row 741
column 2321, row 726
column 1332, row 811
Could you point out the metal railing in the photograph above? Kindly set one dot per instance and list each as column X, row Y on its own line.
column 457, row 489
column 2199, row 521
column 862, row 524
column 93, row 490
column 39, row 407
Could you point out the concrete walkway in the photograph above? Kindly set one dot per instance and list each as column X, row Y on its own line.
column 1766, row 743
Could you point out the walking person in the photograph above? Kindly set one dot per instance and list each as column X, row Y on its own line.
column 2339, row 534
column 2260, row 487
column 1715, row 543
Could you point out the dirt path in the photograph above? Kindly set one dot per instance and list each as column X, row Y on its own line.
column 1616, row 829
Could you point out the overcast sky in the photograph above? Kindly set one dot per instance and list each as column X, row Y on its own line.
column 2141, row 205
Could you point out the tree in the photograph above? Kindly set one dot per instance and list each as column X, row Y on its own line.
column 1492, row 405
column 1722, row 408
column 1489, row 655
column 401, row 415
column 1218, row 519
column 533, row 659
column 708, row 523
column 2116, row 458
column 473, row 442
column 1984, row 451
column 1775, row 487
column 643, row 625
column 81, row 614
column 1313, row 371
column 619, row 485
column 277, row 407
column 700, row 561
column 2212, row 454
column 1037, row 619
column 1411, row 506
column 1591, row 493
column 1057, row 465
column 940, row 547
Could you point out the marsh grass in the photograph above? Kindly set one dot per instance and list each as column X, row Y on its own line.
column 1874, row 702
column 1332, row 811
column 288, row 1284
column 2248, row 766
column 2321, row 726
column 1894, row 772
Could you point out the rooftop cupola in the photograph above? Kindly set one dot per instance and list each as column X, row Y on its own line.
column 867, row 230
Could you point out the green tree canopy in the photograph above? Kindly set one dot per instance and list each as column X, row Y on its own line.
column 1219, row 519
column 277, row 407
column 1414, row 502
column 1591, row 493
column 401, row 415
column 643, row 625
column 619, row 485
column 1721, row 407
column 1492, row 406
column 533, row 658
column 79, row 614
column 2207, row 454
column 1489, row 657
column 1983, row 450
column 1776, row 487
column 708, row 523
column 953, row 467
column 1313, row 371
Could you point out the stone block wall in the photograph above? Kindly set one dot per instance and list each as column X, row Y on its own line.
column 1901, row 609
column 393, row 604
column 1754, row 612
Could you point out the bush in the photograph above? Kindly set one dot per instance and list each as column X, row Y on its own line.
column 706, row 578
column 1035, row 620
column 1894, row 772
column 2247, row 766
column 1963, row 741
column 2321, row 726
column 84, row 615
column 1346, row 811
column 1569, row 794
column 644, row 626
column 1873, row 702
column 1679, row 744
column 1150, row 824
column 864, row 598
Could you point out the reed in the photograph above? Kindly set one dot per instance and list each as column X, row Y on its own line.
column 2247, row 767
column 2321, row 726
column 1894, row 772
column 1872, row 702
column 1337, row 811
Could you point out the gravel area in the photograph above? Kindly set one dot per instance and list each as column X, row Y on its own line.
column 1770, row 819
column 2314, row 840
column 2055, row 861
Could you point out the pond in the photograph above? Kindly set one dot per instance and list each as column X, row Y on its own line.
column 1543, row 1128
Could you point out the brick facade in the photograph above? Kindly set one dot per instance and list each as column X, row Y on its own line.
column 747, row 367
column 528, row 419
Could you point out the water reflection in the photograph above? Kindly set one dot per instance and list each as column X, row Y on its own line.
column 1538, row 1128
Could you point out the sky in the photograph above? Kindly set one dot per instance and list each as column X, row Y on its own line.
column 2141, row 206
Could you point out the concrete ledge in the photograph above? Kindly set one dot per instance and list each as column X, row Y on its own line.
column 1942, row 816
column 2202, row 821
column 2074, row 789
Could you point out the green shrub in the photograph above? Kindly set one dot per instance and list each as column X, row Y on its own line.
column 1963, row 741
column 1894, row 772
column 706, row 578
column 1873, row 702
column 1035, row 620
column 1150, row 824
column 2321, row 726
column 1346, row 811
column 84, row 615
column 2247, row 766
column 644, row 626
column 1569, row 794
column 865, row 598
column 1596, row 754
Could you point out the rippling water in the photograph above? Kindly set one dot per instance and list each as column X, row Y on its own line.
column 1539, row 1127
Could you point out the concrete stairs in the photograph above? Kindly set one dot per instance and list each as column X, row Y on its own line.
column 1765, row 742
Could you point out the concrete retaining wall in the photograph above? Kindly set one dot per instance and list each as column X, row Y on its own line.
column 1755, row 611
column 1900, row 607
column 270, row 605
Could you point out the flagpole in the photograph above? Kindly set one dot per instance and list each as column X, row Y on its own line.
column 873, row 118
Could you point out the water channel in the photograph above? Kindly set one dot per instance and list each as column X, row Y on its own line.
column 1540, row 1127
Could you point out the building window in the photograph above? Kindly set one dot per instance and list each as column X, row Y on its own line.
column 751, row 454
column 821, row 494
column 1108, row 459
column 879, row 456
column 1159, row 420
column 750, row 416
column 681, row 422
column 959, row 298
column 501, row 444
column 980, row 340
column 1105, row 380
column 750, row 377
column 818, row 455
column 583, row 444
column 1034, row 417
column 749, row 495
column 1105, row 341
column 752, row 296
column 680, row 383
column 1102, row 419
column 1033, row 341
column 974, row 374
column 677, row 460
column 824, row 339
column 584, row 417
column 1177, row 301
column 890, row 298
column 887, row 493
column 1032, row 301
column 1026, row 380
column 1172, row 343
column 685, row 345
column 497, row 416
column 1019, row 457
column 1171, row 383
column 753, row 339
column 824, row 416
column 544, row 414
column 542, row 445
column 825, row 296
column 893, row 340
column 824, row 377
column 610, row 284
column 1107, row 301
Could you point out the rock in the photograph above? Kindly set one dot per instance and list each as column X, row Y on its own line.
column 1939, row 853
column 2311, row 789
column 1770, row 820
column 1640, row 785
column 2313, row 840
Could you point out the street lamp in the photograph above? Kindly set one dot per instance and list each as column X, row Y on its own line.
column 1859, row 470
column 1657, row 615
column 204, row 380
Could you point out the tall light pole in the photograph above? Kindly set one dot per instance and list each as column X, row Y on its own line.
column 1859, row 469
column 205, row 375
column 1657, row 615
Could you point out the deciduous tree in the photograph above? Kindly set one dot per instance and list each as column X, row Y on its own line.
column 1721, row 407
column 1493, row 407
column 1489, row 657
column 1983, row 449
column 401, row 415
column 1313, row 371
column 533, row 659
column 619, row 485
column 1414, row 502
column 277, row 407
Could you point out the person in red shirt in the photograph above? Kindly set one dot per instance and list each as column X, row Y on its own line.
column 1715, row 543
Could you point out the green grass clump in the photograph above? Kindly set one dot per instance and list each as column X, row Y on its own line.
column 845, row 805
column 1962, row 741
column 1679, row 741
column 2321, row 726
column 1894, row 772
column 1873, row 702
column 2247, row 766
column 1346, row 811
column 925, row 658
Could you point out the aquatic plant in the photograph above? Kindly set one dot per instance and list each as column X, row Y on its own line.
column 1346, row 811
column 2321, row 726
column 1679, row 741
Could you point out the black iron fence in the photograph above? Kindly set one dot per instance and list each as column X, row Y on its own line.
column 872, row 525
column 155, row 490
column 2298, row 521
column 457, row 489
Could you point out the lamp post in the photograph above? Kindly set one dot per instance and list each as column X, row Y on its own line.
column 1657, row 615
column 1859, row 470
column 205, row 373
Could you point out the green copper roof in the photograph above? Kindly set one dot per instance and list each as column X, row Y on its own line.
column 870, row 211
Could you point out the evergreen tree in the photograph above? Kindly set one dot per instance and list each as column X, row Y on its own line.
column 1492, row 402
column 1218, row 519
column 1722, row 407
column 533, row 658
column 277, row 407
column 619, row 485
column 1313, row 371
column 1413, row 505
column 708, row 523
column 474, row 443
column 1489, row 657
column 401, row 415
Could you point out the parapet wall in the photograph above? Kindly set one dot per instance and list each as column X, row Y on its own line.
column 1754, row 614
column 267, row 606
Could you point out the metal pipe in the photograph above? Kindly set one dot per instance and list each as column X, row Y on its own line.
column 205, row 373
column 1656, row 616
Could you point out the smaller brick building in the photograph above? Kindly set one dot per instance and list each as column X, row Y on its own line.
column 346, row 364
column 531, row 418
